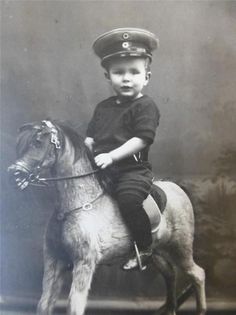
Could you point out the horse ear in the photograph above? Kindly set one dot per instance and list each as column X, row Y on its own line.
column 29, row 126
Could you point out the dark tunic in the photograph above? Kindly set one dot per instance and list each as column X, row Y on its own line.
column 113, row 124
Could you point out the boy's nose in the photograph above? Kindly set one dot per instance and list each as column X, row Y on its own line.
column 126, row 77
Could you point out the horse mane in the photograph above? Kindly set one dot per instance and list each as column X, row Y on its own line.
column 81, row 149
column 30, row 130
column 76, row 140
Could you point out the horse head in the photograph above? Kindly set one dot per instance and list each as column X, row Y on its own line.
column 37, row 144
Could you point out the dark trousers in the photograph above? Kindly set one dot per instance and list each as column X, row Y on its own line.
column 131, row 185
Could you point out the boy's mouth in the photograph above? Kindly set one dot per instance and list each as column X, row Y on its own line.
column 126, row 88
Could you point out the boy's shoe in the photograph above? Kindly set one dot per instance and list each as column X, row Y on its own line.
column 134, row 264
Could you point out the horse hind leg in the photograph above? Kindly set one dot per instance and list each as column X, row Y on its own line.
column 197, row 276
column 169, row 275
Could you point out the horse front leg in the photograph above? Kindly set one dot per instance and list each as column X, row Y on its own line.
column 82, row 277
column 54, row 270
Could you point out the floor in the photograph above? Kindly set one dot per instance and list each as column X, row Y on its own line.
column 22, row 312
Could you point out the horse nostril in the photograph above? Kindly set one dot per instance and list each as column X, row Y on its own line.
column 32, row 178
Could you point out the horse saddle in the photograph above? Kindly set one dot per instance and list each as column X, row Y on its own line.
column 154, row 205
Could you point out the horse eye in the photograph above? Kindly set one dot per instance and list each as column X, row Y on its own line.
column 37, row 143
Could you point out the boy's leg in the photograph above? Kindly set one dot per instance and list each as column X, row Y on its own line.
column 136, row 218
column 131, row 190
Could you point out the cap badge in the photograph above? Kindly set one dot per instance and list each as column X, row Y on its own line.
column 126, row 45
column 125, row 35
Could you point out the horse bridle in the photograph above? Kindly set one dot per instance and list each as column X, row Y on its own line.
column 34, row 175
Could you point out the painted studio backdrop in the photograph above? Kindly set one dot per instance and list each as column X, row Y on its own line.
column 48, row 69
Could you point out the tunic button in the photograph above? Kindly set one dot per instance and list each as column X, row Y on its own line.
column 125, row 35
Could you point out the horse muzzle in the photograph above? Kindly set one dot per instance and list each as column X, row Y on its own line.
column 20, row 175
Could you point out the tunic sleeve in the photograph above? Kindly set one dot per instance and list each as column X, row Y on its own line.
column 146, row 121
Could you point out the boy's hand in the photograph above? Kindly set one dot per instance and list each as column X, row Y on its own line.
column 89, row 142
column 103, row 160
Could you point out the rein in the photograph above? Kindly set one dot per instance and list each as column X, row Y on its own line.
column 54, row 179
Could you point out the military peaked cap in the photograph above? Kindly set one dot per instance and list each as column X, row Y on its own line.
column 125, row 42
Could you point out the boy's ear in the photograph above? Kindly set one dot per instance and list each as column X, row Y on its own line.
column 107, row 76
column 148, row 76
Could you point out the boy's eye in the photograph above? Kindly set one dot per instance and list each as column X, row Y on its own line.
column 118, row 72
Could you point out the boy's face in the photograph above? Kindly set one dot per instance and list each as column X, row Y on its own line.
column 128, row 76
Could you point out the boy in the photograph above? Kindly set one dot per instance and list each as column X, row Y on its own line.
column 123, row 128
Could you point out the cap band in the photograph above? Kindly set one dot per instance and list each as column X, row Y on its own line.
column 123, row 54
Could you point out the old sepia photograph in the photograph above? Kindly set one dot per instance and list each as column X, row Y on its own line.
column 118, row 157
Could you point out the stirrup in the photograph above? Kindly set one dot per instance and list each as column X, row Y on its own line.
column 138, row 260
column 141, row 267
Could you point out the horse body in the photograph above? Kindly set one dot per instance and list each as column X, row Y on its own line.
column 104, row 228
column 87, row 229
